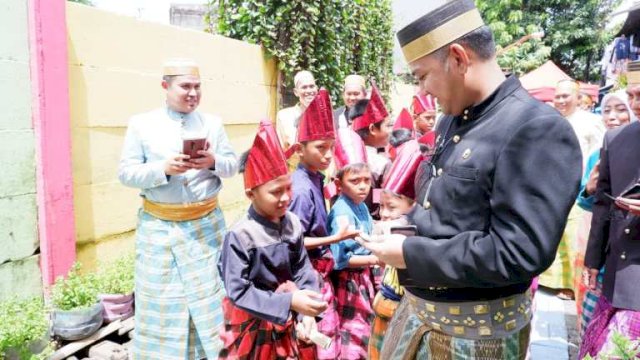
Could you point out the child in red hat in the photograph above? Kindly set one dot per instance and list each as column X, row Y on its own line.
column 267, row 275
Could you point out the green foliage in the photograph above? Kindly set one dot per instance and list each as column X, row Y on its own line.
column 117, row 277
column 623, row 349
column 330, row 38
column 575, row 33
column 21, row 323
column 76, row 291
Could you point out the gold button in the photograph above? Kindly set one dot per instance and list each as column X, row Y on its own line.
column 623, row 256
column 427, row 205
column 456, row 139
column 627, row 231
column 439, row 172
column 466, row 154
column 466, row 111
column 465, row 117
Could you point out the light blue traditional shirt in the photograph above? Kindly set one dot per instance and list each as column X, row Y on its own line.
column 344, row 209
column 156, row 136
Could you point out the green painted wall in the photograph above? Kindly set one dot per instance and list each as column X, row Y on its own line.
column 19, row 269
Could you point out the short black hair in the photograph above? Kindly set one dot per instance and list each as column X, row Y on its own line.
column 242, row 162
column 358, row 109
column 357, row 167
column 480, row 41
column 400, row 136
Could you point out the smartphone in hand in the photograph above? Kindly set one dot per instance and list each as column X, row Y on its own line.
column 192, row 146
column 406, row 230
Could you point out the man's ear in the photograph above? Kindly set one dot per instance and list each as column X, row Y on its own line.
column 459, row 58
column 296, row 92
column 165, row 84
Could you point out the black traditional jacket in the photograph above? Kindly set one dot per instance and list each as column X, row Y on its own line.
column 494, row 199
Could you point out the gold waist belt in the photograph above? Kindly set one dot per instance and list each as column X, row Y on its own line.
column 180, row 212
column 493, row 319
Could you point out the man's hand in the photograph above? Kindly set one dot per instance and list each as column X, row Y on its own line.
column 388, row 249
column 304, row 328
column 177, row 165
column 307, row 302
column 629, row 204
column 591, row 278
column 205, row 162
column 590, row 188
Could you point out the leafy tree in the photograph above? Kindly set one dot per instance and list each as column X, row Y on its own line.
column 575, row 33
column 330, row 38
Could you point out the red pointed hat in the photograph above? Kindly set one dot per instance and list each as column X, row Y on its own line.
column 349, row 148
column 374, row 113
column 403, row 170
column 316, row 122
column 266, row 160
column 422, row 103
column 404, row 121
column 428, row 139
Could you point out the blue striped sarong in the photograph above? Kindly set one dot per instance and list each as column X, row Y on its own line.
column 178, row 295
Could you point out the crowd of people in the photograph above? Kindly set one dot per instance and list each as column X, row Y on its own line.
column 369, row 237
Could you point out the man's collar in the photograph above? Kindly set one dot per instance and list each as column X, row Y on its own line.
column 508, row 87
column 178, row 116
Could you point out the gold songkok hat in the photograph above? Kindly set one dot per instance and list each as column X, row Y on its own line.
column 174, row 67
column 433, row 24
column 633, row 72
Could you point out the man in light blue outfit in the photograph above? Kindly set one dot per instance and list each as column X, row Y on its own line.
column 180, row 226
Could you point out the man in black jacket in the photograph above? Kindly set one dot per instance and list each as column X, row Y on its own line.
column 614, row 239
column 494, row 197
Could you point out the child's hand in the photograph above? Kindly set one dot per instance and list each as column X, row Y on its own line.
column 304, row 328
column 307, row 302
column 347, row 232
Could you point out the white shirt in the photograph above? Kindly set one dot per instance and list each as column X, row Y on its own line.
column 156, row 136
column 286, row 125
column 377, row 163
column 590, row 130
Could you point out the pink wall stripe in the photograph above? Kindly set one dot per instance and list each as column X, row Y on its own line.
column 51, row 123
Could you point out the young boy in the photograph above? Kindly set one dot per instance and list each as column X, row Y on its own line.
column 371, row 121
column 396, row 200
column 267, row 275
column 354, row 282
column 315, row 144
column 424, row 114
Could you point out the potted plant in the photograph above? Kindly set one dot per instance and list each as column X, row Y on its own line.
column 24, row 329
column 116, row 284
column 77, row 313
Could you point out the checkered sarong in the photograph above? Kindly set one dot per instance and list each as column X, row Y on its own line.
column 354, row 296
column 409, row 338
column 330, row 323
column 384, row 309
column 246, row 337
column 178, row 290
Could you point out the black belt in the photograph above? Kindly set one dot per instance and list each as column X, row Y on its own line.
column 467, row 294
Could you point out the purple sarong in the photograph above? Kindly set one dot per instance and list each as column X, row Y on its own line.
column 607, row 319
